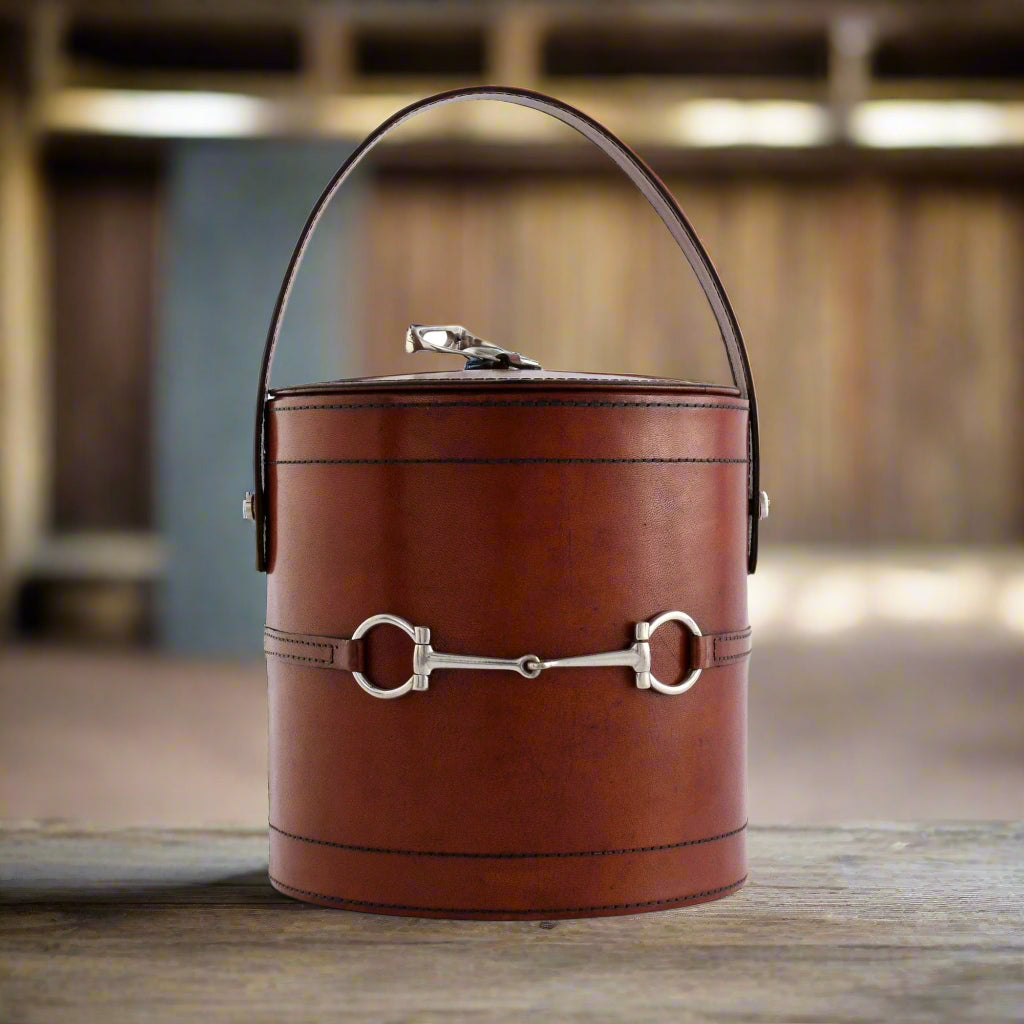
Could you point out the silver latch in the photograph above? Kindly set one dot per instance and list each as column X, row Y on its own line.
column 479, row 354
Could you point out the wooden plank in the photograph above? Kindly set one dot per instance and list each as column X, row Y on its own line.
column 105, row 230
column 883, row 922
column 882, row 318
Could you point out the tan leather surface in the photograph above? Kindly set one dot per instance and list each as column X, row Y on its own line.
column 508, row 523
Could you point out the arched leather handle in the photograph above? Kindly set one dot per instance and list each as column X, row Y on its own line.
column 653, row 190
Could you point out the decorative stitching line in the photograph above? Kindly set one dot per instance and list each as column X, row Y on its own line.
column 742, row 635
column 481, row 462
column 539, row 403
column 733, row 657
column 272, row 635
column 516, row 910
column 505, row 856
column 298, row 657
column 304, row 643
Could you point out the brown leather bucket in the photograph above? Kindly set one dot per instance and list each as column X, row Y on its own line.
column 416, row 528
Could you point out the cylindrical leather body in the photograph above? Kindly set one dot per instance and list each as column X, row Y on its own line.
column 510, row 516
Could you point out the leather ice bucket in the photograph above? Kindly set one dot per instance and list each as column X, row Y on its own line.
column 507, row 635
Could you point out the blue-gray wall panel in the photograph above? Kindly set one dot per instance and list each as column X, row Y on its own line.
column 234, row 210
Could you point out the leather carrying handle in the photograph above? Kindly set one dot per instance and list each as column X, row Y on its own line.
column 652, row 189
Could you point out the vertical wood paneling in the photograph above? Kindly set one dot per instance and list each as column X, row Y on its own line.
column 884, row 317
column 992, row 298
column 104, row 238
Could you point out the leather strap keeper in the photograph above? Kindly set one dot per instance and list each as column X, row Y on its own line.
column 316, row 651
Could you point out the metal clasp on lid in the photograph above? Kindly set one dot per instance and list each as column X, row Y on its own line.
column 479, row 354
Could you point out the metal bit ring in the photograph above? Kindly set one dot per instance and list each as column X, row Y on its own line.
column 692, row 626
column 407, row 627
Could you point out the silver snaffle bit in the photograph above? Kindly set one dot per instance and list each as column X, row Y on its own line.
column 425, row 659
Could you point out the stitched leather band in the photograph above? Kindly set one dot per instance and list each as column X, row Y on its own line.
column 712, row 650
column 517, row 886
column 650, row 186
column 314, row 651
column 332, row 900
column 509, row 855
column 715, row 649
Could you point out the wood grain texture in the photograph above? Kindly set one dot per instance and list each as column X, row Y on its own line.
column 105, row 237
column 857, row 923
column 883, row 316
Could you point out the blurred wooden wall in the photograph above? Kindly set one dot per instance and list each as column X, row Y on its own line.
column 884, row 318
column 104, row 237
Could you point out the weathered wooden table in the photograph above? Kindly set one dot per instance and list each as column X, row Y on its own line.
column 882, row 922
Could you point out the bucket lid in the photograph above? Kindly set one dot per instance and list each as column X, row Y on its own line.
column 490, row 364
column 546, row 379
